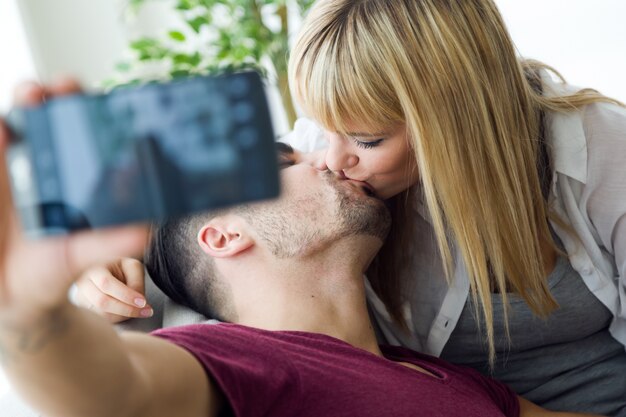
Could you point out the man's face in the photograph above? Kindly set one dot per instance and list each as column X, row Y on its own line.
column 315, row 208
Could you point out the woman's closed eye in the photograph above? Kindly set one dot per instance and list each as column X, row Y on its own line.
column 367, row 144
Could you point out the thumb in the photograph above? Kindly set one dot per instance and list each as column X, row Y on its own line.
column 134, row 274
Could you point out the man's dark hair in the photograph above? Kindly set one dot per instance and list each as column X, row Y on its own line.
column 179, row 267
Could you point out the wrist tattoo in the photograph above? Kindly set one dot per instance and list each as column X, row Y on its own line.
column 31, row 340
column 5, row 356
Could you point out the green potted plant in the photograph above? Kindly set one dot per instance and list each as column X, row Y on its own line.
column 217, row 35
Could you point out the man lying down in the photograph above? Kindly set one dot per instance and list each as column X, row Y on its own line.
column 288, row 277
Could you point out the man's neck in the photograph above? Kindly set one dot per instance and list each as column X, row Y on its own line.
column 322, row 293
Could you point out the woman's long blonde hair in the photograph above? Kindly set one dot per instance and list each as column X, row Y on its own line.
column 473, row 110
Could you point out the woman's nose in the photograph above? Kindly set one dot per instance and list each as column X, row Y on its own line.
column 338, row 157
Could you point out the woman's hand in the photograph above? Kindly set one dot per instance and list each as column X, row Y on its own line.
column 115, row 291
column 528, row 409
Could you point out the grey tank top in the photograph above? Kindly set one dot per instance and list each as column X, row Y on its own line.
column 567, row 362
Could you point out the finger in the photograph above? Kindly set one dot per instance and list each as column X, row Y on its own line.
column 85, row 287
column 5, row 189
column 134, row 275
column 99, row 302
column 8, row 226
column 110, row 285
column 31, row 93
column 6, row 200
column 4, row 137
column 28, row 94
column 86, row 249
column 62, row 86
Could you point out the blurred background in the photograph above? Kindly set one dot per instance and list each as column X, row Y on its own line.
column 105, row 43
column 111, row 42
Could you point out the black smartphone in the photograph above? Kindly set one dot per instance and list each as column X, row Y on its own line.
column 142, row 153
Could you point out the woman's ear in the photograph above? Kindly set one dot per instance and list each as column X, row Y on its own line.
column 223, row 237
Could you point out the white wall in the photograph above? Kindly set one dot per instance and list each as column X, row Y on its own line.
column 585, row 40
column 84, row 38
column 16, row 60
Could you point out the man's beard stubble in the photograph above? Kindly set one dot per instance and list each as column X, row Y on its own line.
column 287, row 236
column 360, row 216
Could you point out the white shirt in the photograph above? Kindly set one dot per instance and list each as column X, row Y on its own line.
column 588, row 149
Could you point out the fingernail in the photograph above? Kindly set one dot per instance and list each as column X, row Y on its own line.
column 140, row 302
column 146, row 312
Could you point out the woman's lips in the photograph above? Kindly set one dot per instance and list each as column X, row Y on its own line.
column 367, row 189
column 364, row 185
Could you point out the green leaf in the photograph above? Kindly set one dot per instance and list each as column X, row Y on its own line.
column 134, row 82
column 148, row 49
column 195, row 59
column 135, row 5
column 197, row 22
column 144, row 57
column 145, row 45
column 185, row 59
column 142, row 44
column 210, row 3
column 180, row 59
column 177, row 36
column 123, row 66
column 178, row 73
column 184, row 5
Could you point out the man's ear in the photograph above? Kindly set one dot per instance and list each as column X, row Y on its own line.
column 224, row 236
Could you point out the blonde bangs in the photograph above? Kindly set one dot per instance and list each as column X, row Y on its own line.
column 336, row 78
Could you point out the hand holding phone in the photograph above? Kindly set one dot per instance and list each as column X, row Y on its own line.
column 35, row 275
column 142, row 153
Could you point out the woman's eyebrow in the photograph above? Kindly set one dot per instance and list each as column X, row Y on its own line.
column 366, row 135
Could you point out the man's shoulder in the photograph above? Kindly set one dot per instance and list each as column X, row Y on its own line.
column 250, row 367
column 213, row 330
column 224, row 340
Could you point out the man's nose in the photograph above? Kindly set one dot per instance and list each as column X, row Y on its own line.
column 316, row 159
column 338, row 156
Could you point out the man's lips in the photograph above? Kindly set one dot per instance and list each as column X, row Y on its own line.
column 367, row 189
column 363, row 185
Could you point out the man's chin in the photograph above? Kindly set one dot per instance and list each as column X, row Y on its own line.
column 366, row 215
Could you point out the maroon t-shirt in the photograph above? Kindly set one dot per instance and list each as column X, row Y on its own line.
column 290, row 373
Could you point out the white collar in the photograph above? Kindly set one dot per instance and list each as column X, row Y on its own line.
column 566, row 134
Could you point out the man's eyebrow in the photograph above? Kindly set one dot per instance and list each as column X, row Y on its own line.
column 283, row 148
column 286, row 155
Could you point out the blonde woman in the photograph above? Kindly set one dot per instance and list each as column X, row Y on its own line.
column 508, row 186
